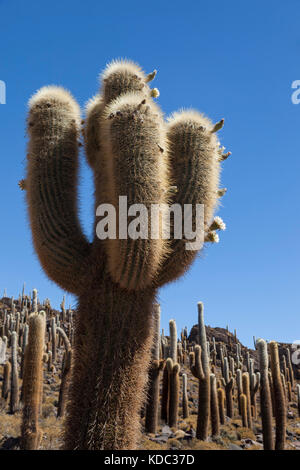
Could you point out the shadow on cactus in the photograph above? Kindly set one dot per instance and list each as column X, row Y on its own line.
column 133, row 152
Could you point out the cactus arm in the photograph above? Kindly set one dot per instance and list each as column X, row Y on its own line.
column 195, row 168
column 53, row 127
column 134, row 140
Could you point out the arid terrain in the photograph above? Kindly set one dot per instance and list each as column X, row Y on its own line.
column 232, row 435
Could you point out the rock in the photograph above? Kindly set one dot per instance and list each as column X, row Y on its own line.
column 166, row 430
column 179, row 434
column 259, row 438
column 290, row 415
column 234, row 447
column 160, row 439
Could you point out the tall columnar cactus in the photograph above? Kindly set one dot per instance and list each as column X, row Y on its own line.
column 228, row 382
column 289, row 365
column 265, row 395
column 65, row 375
column 173, row 340
column 298, row 398
column 246, row 391
column 6, row 380
column 204, row 380
column 173, row 370
column 32, row 382
column 14, row 384
column 185, row 402
column 214, row 409
column 221, row 403
column 279, row 398
column 34, row 300
column 151, row 419
column 244, row 407
column 132, row 153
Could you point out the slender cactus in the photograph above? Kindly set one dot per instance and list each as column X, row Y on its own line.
column 214, row 411
column 221, row 402
column 228, row 384
column 246, row 392
column 174, row 393
column 14, row 385
column 133, row 153
column 265, row 395
column 6, row 380
column 244, row 413
column 65, row 376
column 280, row 404
column 32, row 382
column 298, row 398
column 185, row 403
column 151, row 419
column 173, row 341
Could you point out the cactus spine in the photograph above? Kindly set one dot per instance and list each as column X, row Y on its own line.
column 32, row 382
column 265, row 395
column 115, row 280
column 279, row 398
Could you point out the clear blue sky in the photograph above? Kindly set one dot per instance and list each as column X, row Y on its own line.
column 228, row 59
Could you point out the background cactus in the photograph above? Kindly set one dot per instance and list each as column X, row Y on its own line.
column 280, row 405
column 265, row 395
column 151, row 419
column 33, row 382
column 14, row 384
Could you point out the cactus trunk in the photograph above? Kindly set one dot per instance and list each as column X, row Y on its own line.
column 111, row 355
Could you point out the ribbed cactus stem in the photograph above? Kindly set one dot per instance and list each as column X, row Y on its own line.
column 290, row 367
column 32, row 382
column 214, row 411
column 244, row 412
column 185, row 404
column 6, row 380
column 14, row 386
column 298, row 398
column 239, row 384
column 229, row 384
column 280, row 405
column 64, row 386
column 204, row 380
column 24, row 344
column 34, row 300
column 173, row 340
column 53, row 339
column 221, row 402
column 246, row 391
column 151, row 419
column 174, row 395
column 265, row 395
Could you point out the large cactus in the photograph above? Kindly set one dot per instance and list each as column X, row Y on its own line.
column 132, row 153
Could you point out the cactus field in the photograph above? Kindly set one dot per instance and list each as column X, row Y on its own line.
column 205, row 390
